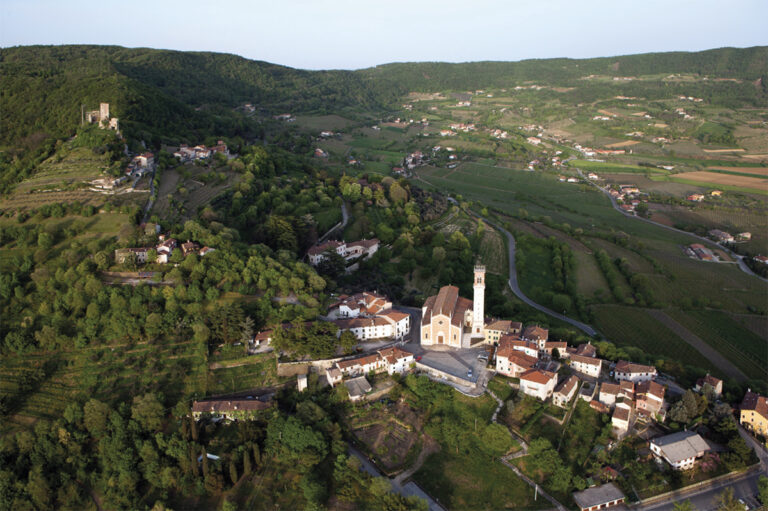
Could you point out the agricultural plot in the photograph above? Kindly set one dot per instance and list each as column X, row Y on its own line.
column 323, row 122
column 614, row 168
column 590, row 281
column 493, row 252
column 741, row 346
column 628, row 326
column 390, row 433
column 724, row 180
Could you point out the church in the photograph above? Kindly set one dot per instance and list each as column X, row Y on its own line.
column 447, row 319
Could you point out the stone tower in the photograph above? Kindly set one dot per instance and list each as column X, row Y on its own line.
column 478, row 302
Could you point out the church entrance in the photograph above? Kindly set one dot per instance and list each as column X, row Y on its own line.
column 440, row 339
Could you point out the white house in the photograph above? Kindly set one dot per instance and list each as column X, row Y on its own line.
column 537, row 383
column 348, row 251
column 588, row 366
column 362, row 365
column 334, row 376
column 598, row 497
column 634, row 372
column 680, row 449
column 608, row 394
column 396, row 360
column 565, row 391
column 392, row 323
column 513, row 363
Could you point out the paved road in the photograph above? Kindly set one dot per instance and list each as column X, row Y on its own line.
column 406, row 490
column 705, row 500
column 739, row 259
column 515, row 287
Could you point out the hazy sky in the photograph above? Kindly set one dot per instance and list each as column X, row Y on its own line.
column 350, row 34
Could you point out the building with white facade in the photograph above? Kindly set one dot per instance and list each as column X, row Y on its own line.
column 586, row 365
column 680, row 449
column 447, row 319
column 513, row 363
column 634, row 372
column 537, row 383
column 391, row 323
column 565, row 391
column 349, row 251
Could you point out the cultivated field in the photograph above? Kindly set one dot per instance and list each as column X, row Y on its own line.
column 759, row 171
column 716, row 178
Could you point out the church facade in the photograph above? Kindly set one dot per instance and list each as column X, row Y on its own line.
column 447, row 319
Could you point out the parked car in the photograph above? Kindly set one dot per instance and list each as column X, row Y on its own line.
column 469, row 373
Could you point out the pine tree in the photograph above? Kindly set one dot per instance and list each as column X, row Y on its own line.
column 233, row 471
column 247, row 463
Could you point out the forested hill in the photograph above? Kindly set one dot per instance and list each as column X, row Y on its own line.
column 188, row 94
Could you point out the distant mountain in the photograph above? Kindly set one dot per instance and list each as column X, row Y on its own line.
column 190, row 95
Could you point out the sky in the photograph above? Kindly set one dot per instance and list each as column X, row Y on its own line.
column 353, row 34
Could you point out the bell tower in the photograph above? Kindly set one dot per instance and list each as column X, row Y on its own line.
column 478, row 302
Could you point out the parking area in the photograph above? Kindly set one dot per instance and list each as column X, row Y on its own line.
column 456, row 362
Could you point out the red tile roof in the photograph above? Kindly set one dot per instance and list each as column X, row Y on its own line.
column 538, row 376
column 228, row 405
column 756, row 402
column 622, row 366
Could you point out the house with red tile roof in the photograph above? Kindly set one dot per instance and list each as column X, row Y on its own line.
column 634, row 372
column 448, row 319
column 511, row 362
column 565, row 391
column 537, row 383
column 587, row 366
column 753, row 413
column 715, row 383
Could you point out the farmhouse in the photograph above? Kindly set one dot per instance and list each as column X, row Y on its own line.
column 365, row 304
column 536, row 334
column 744, row 236
column 550, row 347
column 530, row 348
column 494, row 330
column 333, row 375
column 754, row 413
column 715, row 383
column 649, row 397
column 680, row 449
column 720, row 236
column 598, row 497
column 450, row 320
column 565, row 391
column 358, row 388
column 703, row 253
column 388, row 324
column 537, row 383
column 588, row 366
column 620, row 418
column 361, row 365
column 348, row 251
column 396, row 359
column 228, row 409
column 634, row 372
column 122, row 255
column 513, row 363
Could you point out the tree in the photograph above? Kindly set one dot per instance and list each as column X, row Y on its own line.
column 348, row 341
column 234, row 477
column 726, row 501
column 148, row 411
column 95, row 415
column 331, row 264
column 685, row 505
column 246, row 329
column 762, row 488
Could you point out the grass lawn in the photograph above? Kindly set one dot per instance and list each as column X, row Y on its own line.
column 614, row 168
column 468, row 481
column 534, row 268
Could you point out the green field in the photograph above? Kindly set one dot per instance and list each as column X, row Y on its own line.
column 614, row 168
column 628, row 326
column 744, row 348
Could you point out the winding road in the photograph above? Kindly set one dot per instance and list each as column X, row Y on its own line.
column 739, row 259
column 515, row 286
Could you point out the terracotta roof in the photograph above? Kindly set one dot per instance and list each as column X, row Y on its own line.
column 538, row 376
column 363, row 243
column 652, row 388
column 587, row 350
column 395, row 315
column 334, row 373
column 597, row 405
column 621, row 413
column 264, row 335
column 361, row 361
column 360, row 322
column 319, row 249
column 709, row 380
column 429, row 304
column 228, row 405
column 586, row 360
column 502, row 325
column 567, row 386
column 392, row 355
column 756, row 402
column 609, row 388
column 446, row 299
column 622, row 366
column 535, row 333
column 560, row 345
column 517, row 357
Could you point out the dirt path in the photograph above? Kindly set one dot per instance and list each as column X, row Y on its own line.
column 702, row 347
column 430, row 447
